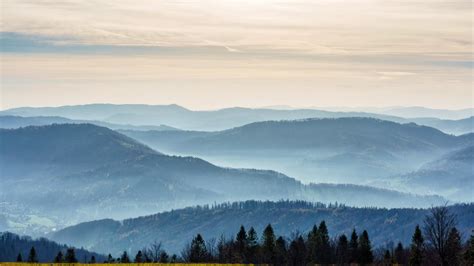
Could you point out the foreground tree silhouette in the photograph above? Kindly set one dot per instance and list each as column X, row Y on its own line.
column 469, row 254
column 124, row 258
column 417, row 248
column 70, row 256
column 399, row 254
column 454, row 248
column 164, row 258
column 241, row 244
column 387, row 258
column 324, row 247
column 139, row 257
column 198, row 251
column 342, row 251
column 313, row 245
column 19, row 258
column 297, row 252
column 281, row 253
column 268, row 245
column 59, row 258
column 354, row 247
column 32, row 257
column 92, row 261
column 365, row 249
column 437, row 226
column 110, row 259
column 252, row 245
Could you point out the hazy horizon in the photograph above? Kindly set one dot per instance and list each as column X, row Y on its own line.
column 348, row 108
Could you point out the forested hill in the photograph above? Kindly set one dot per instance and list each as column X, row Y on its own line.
column 176, row 227
column 72, row 173
column 46, row 250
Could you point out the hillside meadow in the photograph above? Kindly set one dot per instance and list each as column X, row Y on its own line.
column 113, row 264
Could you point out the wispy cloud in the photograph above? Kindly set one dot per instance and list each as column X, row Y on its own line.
column 291, row 52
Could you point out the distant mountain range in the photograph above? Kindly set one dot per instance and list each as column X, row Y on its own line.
column 182, row 118
column 417, row 111
column 345, row 150
column 175, row 228
column 10, row 121
column 76, row 172
column 406, row 112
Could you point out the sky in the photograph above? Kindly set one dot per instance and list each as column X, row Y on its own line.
column 207, row 54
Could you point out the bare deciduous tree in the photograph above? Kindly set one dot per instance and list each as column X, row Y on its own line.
column 437, row 226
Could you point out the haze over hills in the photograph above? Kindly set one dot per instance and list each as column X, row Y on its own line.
column 346, row 150
column 182, row 118
column 75, row 172
column 175, row 228
column 9, row 121
column 418, row 111
column 405, row 111
column 451, row 175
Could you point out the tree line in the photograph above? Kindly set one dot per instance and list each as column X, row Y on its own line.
column 436, row 242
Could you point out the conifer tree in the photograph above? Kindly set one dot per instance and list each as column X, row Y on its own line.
column 241, row 244
column 342, row 251
column 324, row 247
column 387, row 258
column 365, row 249
column 32, row 257
column 59, row 257
column 453, row 248
column 281, row 252
column 70, row 256
column 354, row 247
column 417, row 248
column 19, row 258
column 124, row 258
column 252, row 243
column 110, row 259
column 198, row 250
column 314, row 245
column 297, row 252
column 92, row 261
column 469, row 254
column 268, row 245
column 139, row 257
column 399, row 254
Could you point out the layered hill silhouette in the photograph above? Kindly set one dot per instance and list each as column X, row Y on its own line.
column 451, row 175
column 77, row 172
column 182, row 118
column 176, row 227
column 11, row 121
column 347, row 150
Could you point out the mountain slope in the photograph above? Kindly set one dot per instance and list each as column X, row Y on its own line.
column 77, row 172
column 177, row 227
column 352, row 150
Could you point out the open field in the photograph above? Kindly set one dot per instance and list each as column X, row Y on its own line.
column 113, row 264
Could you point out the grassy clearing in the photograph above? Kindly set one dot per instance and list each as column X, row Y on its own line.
column 114, row 264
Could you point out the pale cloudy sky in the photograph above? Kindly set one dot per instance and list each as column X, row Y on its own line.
column 207, row 54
